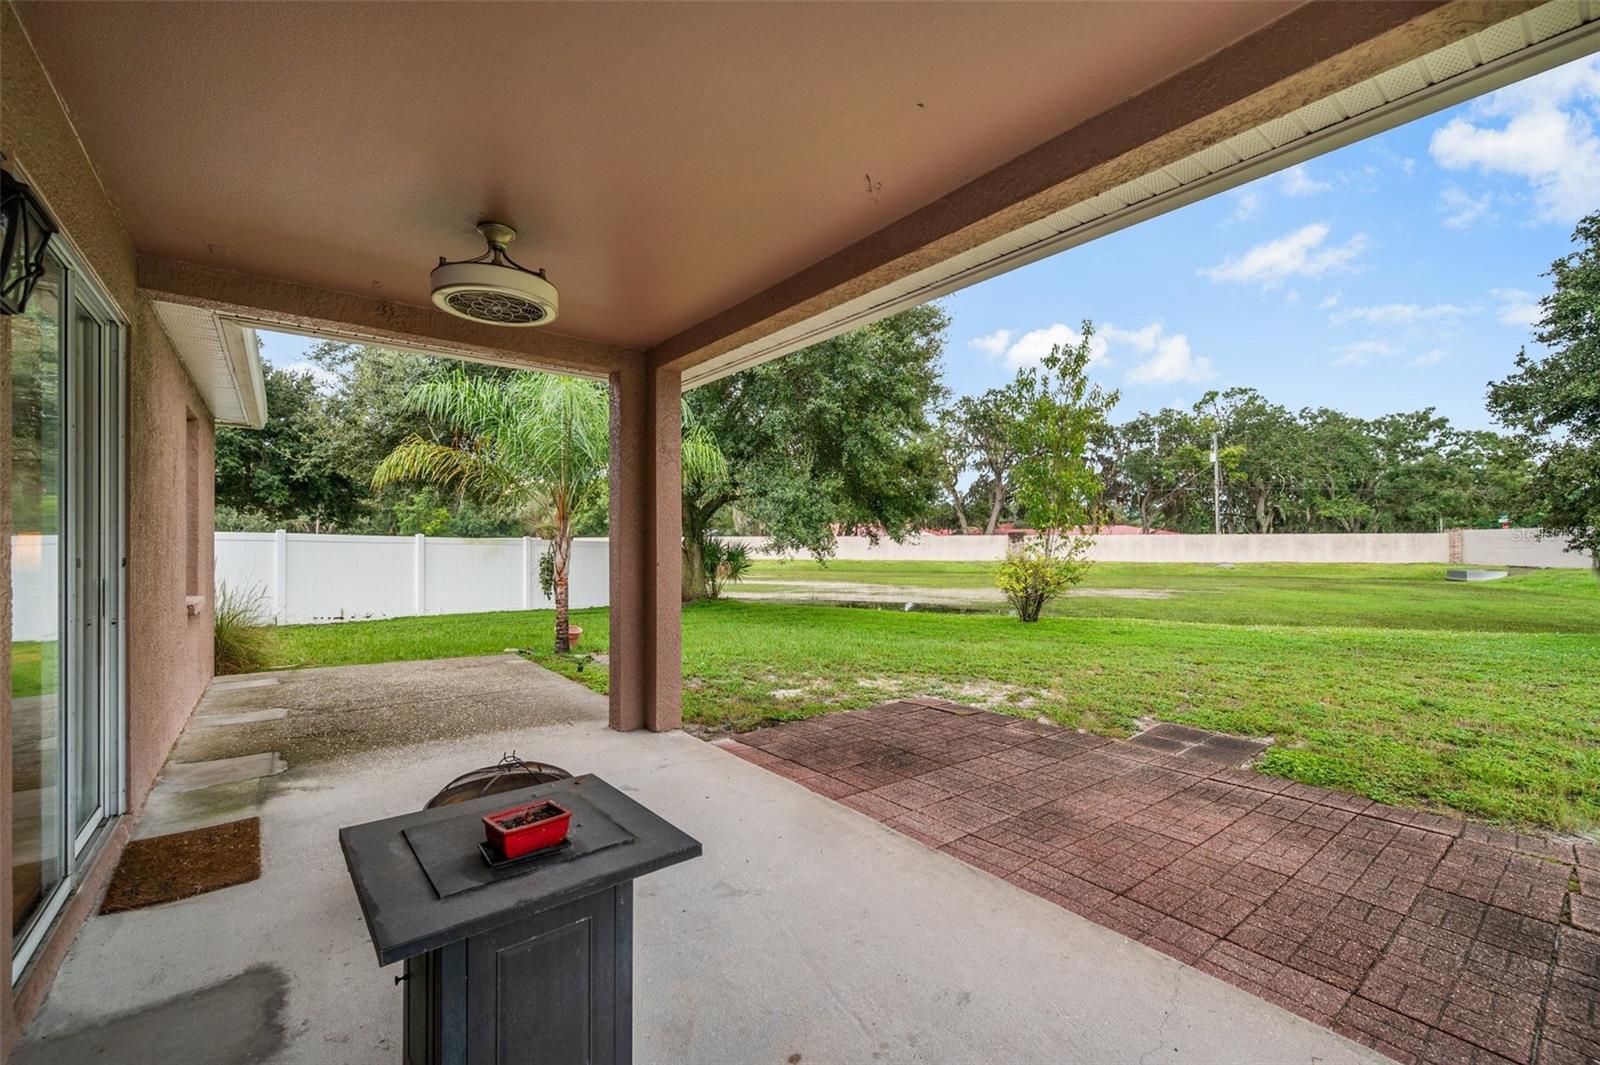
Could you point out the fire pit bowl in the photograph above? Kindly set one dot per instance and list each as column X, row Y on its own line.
column 509, row 774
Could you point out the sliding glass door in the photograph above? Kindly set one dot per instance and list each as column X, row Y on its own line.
column 65, row 481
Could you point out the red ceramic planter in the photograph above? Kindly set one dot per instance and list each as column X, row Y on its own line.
column 524, row 829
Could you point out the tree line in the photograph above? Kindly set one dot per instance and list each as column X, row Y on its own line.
column 860, row 434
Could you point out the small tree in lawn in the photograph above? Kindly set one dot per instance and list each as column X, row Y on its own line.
column 535, row 446
column 1059, row 413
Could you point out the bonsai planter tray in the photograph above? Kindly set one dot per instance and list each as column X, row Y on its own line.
column 494, row 861
column 521, row 830
column 449, row 853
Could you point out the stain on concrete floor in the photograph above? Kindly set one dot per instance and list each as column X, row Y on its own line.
column 236, row 1022
column 322, row 715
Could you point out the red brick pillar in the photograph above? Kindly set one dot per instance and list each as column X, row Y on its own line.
column 646, row 550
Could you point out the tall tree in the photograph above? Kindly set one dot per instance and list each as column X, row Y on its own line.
column 952, row 452
column 290, row 472
column 1555, row 400
column 832, row 437
column 1270, row 447
column 535, row 445
column 989, row 421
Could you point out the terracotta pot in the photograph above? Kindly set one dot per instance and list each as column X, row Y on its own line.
column 574, row 634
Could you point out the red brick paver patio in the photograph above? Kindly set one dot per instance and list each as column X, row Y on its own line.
column 1429, row 939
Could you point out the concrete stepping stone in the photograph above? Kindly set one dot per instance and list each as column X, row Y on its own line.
column 184, row 776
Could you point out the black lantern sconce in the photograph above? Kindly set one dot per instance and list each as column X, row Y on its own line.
column 25, row 230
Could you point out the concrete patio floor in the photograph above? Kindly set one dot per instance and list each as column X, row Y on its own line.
column 806, row 932
column 1431, row 939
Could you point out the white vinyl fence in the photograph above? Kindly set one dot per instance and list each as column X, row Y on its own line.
column 329, row 578
column 305, row 577
column 35, row 587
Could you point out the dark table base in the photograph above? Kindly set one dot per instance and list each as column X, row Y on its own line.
column 552, row 988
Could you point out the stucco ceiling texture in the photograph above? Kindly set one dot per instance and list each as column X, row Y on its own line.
column 662, row 161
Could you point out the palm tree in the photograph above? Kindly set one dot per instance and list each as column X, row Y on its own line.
column 706, row 488
column 535, row 446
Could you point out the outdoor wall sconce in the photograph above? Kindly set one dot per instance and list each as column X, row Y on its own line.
column 25, row 231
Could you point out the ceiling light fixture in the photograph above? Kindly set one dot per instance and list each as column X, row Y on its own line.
column 494, row 288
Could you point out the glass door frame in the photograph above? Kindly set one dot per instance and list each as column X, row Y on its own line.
column 108, row 459
column 95, row 443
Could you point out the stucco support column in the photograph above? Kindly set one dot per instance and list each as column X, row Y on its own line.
column 646, row 549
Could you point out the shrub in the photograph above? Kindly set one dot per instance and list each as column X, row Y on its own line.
column 1041, row 570
column 723, row 562
column 242, row 640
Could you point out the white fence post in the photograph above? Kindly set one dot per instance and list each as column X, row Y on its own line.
column 527, row 573
column 420, row 575
column 280, row 576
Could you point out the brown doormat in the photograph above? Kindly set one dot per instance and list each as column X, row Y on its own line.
column 167, row 868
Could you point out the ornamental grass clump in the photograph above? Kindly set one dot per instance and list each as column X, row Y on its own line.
column 242, row 640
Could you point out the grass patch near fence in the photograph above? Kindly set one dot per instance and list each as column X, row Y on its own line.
column 1379, row 596
column 1499, row 724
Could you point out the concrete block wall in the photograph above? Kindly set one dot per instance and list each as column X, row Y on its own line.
column 1481, row 547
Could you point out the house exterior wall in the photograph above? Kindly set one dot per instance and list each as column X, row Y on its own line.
column 169, row 645
column 169, row 649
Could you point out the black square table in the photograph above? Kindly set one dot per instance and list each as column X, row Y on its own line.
column 530, row 964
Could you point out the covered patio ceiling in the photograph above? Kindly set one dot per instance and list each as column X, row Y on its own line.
column 663, row 162
column 710, row 185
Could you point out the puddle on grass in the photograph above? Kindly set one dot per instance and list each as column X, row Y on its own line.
column 915, row 608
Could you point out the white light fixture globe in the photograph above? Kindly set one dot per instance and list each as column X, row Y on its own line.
column 493, row 288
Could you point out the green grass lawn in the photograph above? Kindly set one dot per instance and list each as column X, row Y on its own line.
column 1406, row 597
column 1387, row 681
column 33, row 668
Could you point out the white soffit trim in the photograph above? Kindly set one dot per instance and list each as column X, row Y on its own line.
column 1533, row 42
column 223, row 359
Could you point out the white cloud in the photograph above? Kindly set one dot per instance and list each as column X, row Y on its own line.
column 1429, row 358
column 1460, row 210
column 1170, row 361
column 1302, row 252
column 992, row 344
column 1542, row 130
column 1161, row 357
column 1400, row 313
column 1362, row 352
column 1246, row 205
column 1035, row 344
column 1330, row 302
column 1408, row 166
column 1297, row 181
column 1517, row 308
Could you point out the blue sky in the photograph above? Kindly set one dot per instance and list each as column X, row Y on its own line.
column 1397, row 273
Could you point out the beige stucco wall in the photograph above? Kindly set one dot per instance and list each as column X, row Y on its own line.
column 169, row 651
